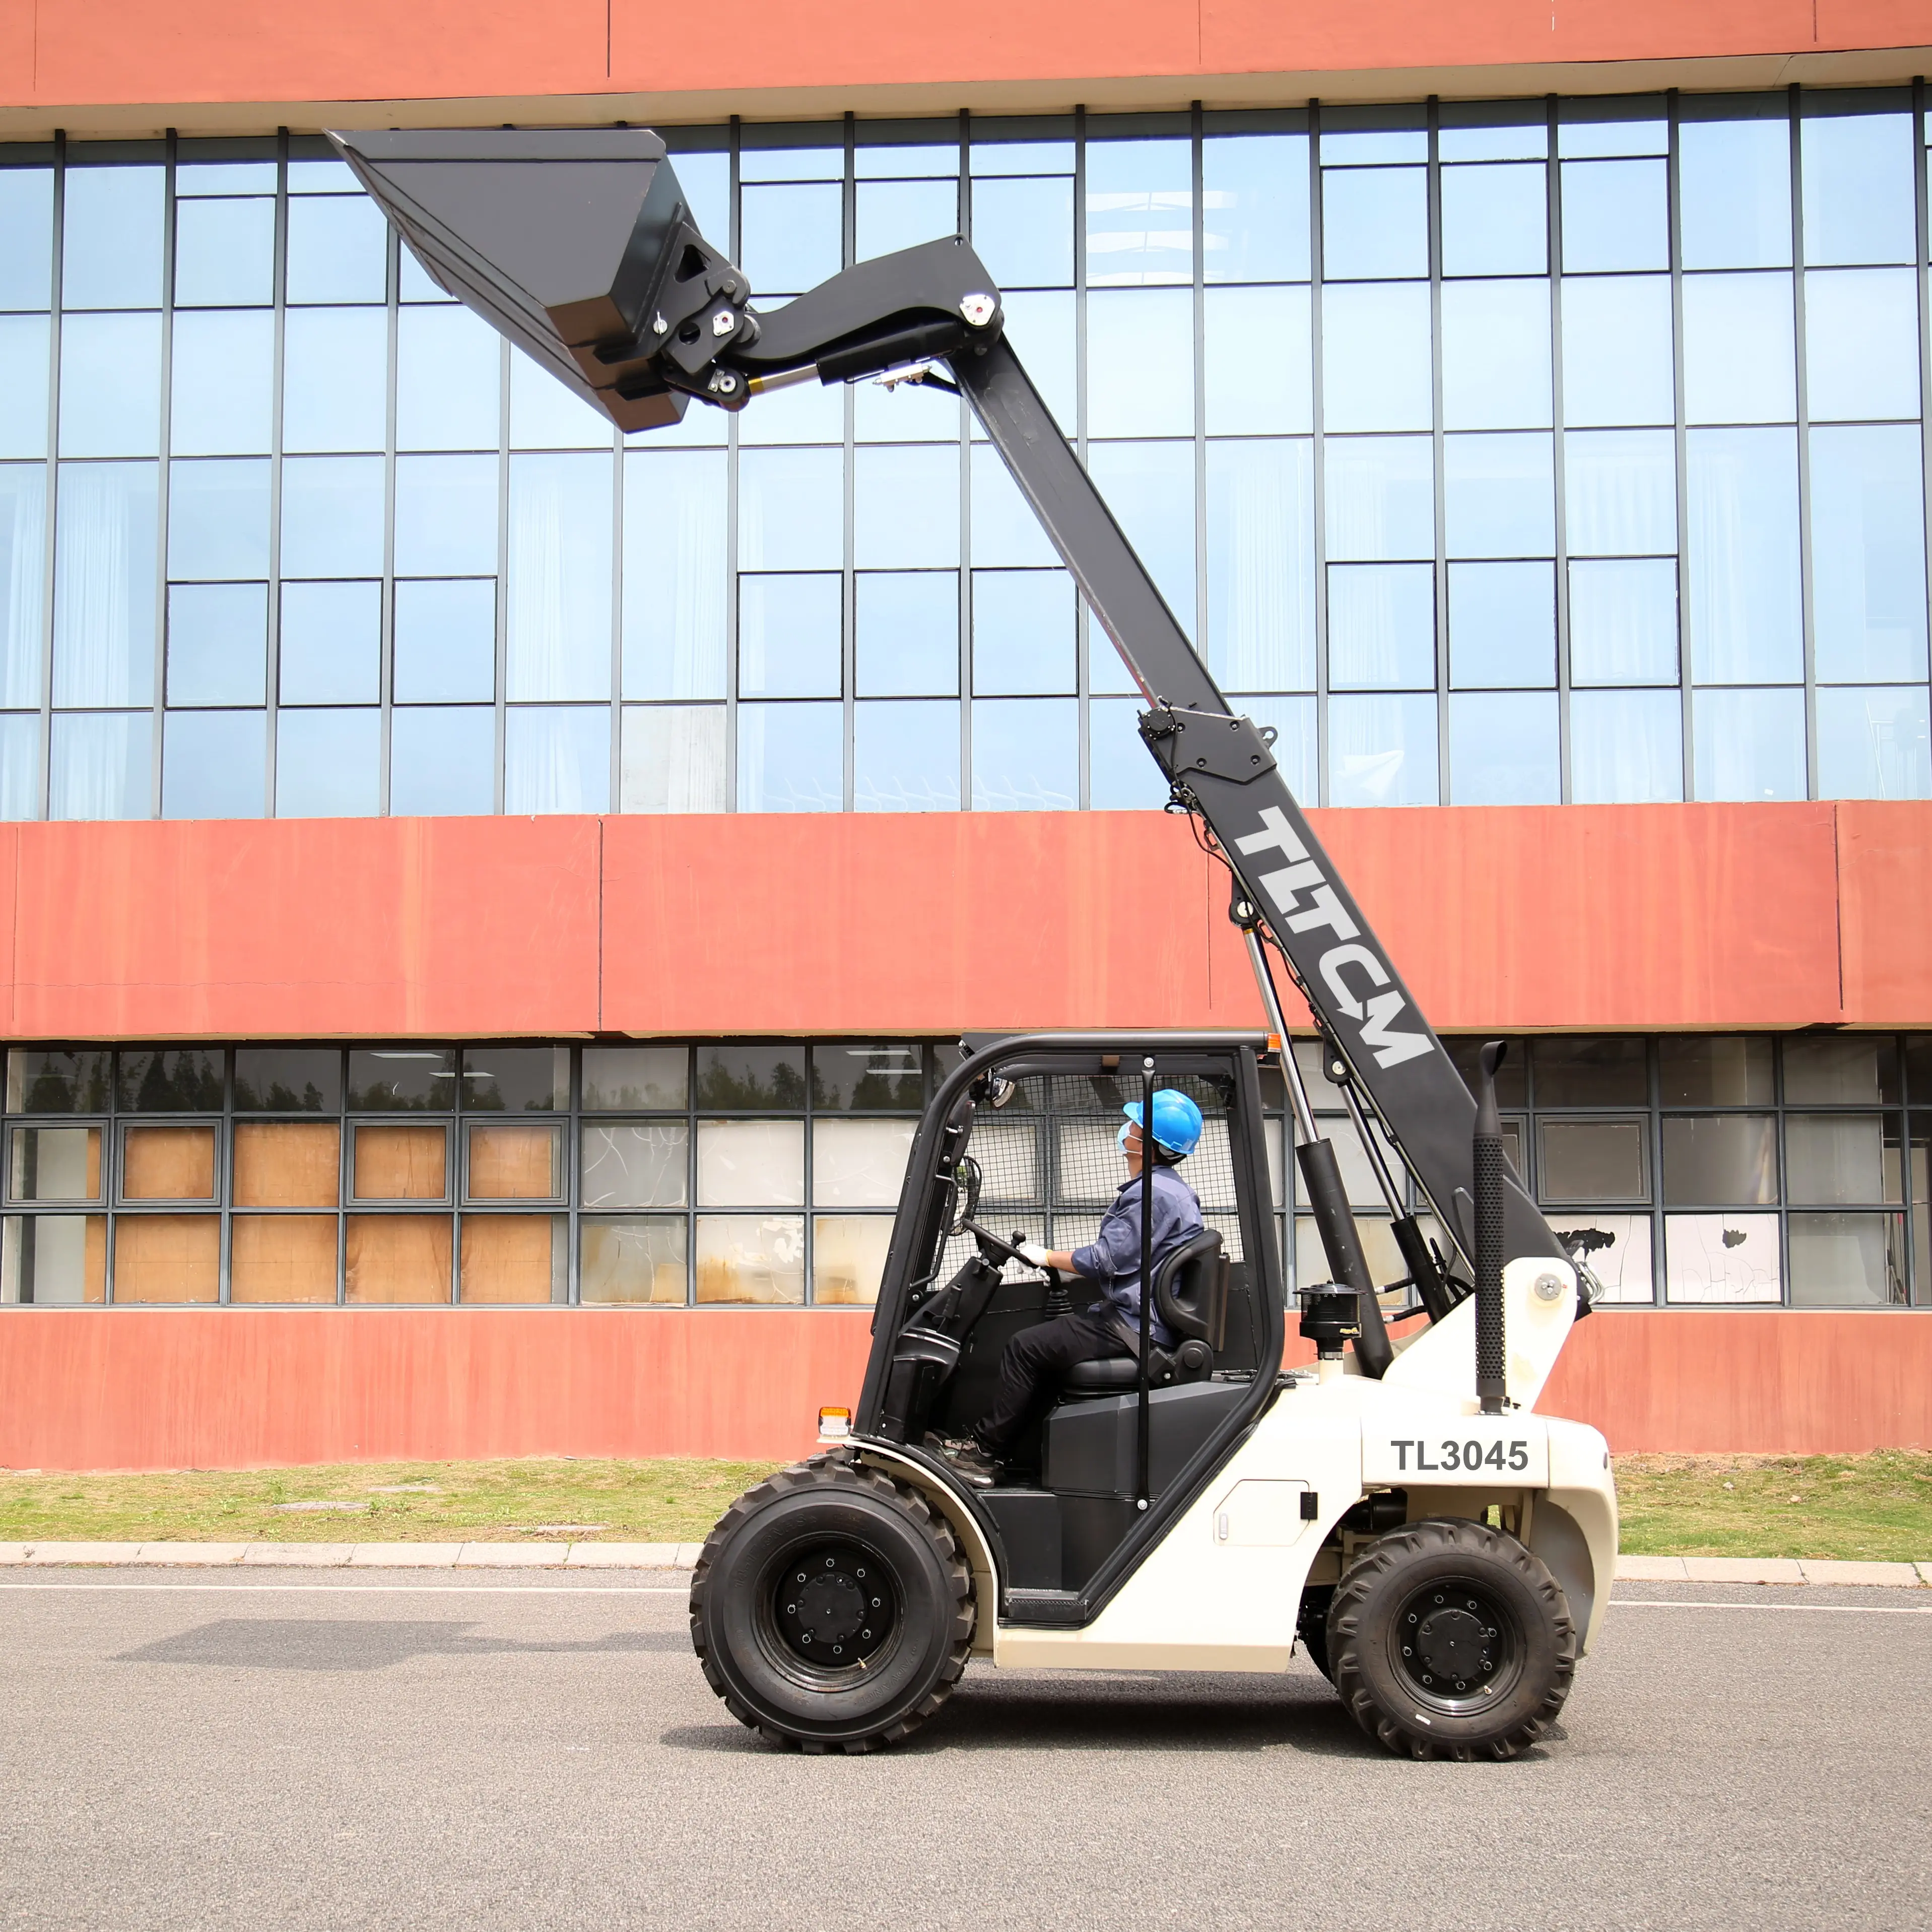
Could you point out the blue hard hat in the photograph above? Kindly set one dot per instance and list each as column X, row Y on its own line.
column 1176, row 1120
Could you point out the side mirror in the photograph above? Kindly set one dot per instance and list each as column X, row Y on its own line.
column 966, row 1184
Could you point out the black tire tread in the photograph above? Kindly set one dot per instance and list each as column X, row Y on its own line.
column 1463, row 1537
column 837, row 1469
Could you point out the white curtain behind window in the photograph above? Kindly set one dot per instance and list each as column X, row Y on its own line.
column 23, row 512
column 104, row 558
column 560, row 586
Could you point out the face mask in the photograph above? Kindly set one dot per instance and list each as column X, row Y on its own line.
column 1121, row 1139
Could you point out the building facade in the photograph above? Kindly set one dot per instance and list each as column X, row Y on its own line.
column 465, row 860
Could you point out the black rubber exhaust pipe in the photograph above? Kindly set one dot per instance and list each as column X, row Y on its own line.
column 1335, row 1221
column 1492, row 1388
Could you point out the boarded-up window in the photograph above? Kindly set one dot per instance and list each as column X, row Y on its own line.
column 163, row 1258
column 283, row 1258
column 167, row 1164
column 515, row 1163
column 398, row 1257
column 289, row 1163
column 401, row 1163
column 511, row 1258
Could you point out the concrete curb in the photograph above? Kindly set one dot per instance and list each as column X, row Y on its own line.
column 684, row 1556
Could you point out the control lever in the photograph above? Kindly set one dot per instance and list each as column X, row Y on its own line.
column 1059, row 1297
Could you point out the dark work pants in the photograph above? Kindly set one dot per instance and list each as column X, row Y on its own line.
column 1031, row 1367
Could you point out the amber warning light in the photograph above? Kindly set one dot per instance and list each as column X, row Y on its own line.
column 835, row 1425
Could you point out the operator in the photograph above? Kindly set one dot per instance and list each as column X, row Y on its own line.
column 1036, row 1359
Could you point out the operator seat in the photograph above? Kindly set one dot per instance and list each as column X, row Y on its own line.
column 1190, row 1291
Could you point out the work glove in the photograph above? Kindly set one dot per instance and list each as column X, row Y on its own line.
column 1032, row 1253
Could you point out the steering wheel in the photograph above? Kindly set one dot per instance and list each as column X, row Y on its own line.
column 1059, row 1295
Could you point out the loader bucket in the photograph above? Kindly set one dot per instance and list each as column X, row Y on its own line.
column 558, row 238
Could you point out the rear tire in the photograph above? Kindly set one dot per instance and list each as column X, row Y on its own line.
column 831, row 1608
column 1448, row 1639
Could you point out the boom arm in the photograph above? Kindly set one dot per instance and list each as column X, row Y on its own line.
column 611, row 286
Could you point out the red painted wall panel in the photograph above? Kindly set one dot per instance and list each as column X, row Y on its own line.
column 1884, row 884
column 240, row 1388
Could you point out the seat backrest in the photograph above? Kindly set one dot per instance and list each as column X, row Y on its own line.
column 1190, row 1289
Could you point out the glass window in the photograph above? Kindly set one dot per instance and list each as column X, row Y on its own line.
column 1374, row 223
column 1382, row 751
column 1744, row 615
column 225, row 253
column 446, row 648
column 1005, row 530
column 1495, row 355
column 1848, row 1261
column 217, row 643
column 332, row 516
column 1621, row 494
column 860, row 1163
column 54, row 1164
column 1607, row 1071
column 868, row 1078
column 1734, row 180
column 332, row 644
column 1623, row 621
column 636, row 1164
column 1140, row 363
column 1121, row 776
column 789, row 634
column 1149, row 488
column 756, row 1258
column 790, row 757
column 1617, row 362
column 214, row 764
column 1840, row 1069
column 446, row 516
column 1261, row 565
column 545, row 414
column 1502, row 624
column 26, row 237
column 848, row 1259
column 739, row 1075
column 335, row 380
column 1503, row 748
column 322, row 177
column 1860, row 343
column 185, row 1080
column 1738, row 355
column 338, row 250
column 1023, row 632
column 1868, row 554
column 1257, row 374
column 1831, row 1158
column 1873, row 743
column 1722, row 1257
column 908, row 411
column 287, row 1080
column 648, row 1079
column 1380, row 498
column 44, row 1080
column 791, row 510
column 23, row 384
column 329, row 764
column 1255, row 208
column 1626, row 747
column 557, row 757
column 1023, row 230
column 110, row 385
column 750, row 1163
column 630, row 1259
column 1615, row 216
column 104, row 559
column 673, row 758
column 442, row 761
column 1040, row 327
column 558, row 593
column 789, row 235
column 907, row 642
column 890, row 215
column 1591, row 1160
column 217, row 519
column 905, row 514
column 1293, row 719
column 1727, row 1159
column 1500, row 496
column 111, row 237
column 675, row 512
column 224, row 382
column 1375, row 370
column 400, row 1079
column 1495, row 220
column 20, row 766
column 1857, row 171
column 99, row 765
column 1750, row 744
column 1026, row 754
column 448, row 365
column 1727, row 1071
column 905, row 755
column 23, row 509
column 1381, row 627
column 1140, row 212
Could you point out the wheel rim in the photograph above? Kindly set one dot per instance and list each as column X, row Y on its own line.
column 1456, row 1646
column 830, row 1609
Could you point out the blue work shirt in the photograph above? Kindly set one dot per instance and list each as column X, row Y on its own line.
column 1112, row 1259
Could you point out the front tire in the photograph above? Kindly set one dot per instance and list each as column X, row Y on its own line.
column 831, row 1608
column 1448, row 1639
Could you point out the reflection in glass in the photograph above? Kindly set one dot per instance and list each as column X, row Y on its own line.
column 1261, row 565
column 1591, row 1160
column 879, row 1078
column 332, row 515
column 789, row 235
column 57, row 1080
column 1626, row 747
column 331, row 644
column 738, row 1074
column 287, row 1080
column 99, row 765
column 1607, row 1071
column 790, row 636
column 338, row 250
column 1255, row 208
column 26, row 237
column 1140, row 363
column 111, row 237
column 1247, row 395
column 23, row 383
column 1023, row 230
column 1494, row 221
column 329, row 764
column 1868, row 554
column 1381, row 499
column 1840, row 1069
column 1727, row 1071
column 1623, row 621
column 1374, row 223
column 861, row 1163
column 558, row 592
column 619, row 1079
column 217, row 519
column 1848, row 1261
column 1502, row 625
column 1617, row 365
column 557, row 757
column 790, row 757
column 1293, row 719
column 448, row 370
column 1500, row 496
column 1750, row 744
column 225, row 253
column 1381, row 627
column 1744, row 620
column 890, row 215
column 674, row 551
column 335, row 380
column 406, row 1079
column 1376, row 357
column 672, row 758
column 1140, row 212
column 446, row 516
column 905, row 755
column 217, row 643
column 441, row 760
column 1737, row 353
column 1615, row 216
column 110, row 385
column 1149, row 488
column 1620, row 493
column 214, row 764
column 1023, row 633
column 104, row 559
column 1830, row 1158
column 750, row 1163
column 23, row 511
column 1503, row 748
column 1858, row 187
column 1382, row 751
column 1734, row 184
column 631, row 1258
column 1873, row 743
column 1040, row 327
column 1727, row 1159
column 445, row 645
column 807, row 413
column 1860, row 343
column 185, row 1080
column 907, row 626
column 1495, row 355
column 1026, row 754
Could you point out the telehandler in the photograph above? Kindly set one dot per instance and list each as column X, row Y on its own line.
column 1443, row 1552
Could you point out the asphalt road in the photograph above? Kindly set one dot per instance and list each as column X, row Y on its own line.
column 290, row 1751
